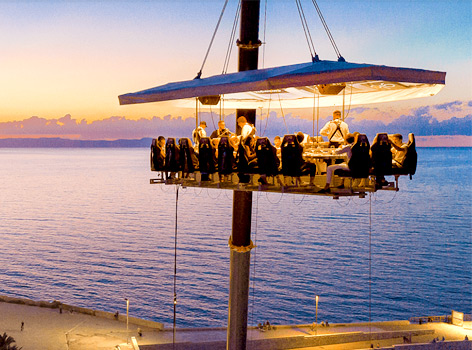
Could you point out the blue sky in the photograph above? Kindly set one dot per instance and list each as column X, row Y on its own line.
column 76, row 57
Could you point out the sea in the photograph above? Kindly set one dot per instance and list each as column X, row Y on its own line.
column 86, row 227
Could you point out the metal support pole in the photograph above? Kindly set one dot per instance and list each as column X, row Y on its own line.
column 239, row 296
column 240, row 260
column 249, row 42
column 240, row 241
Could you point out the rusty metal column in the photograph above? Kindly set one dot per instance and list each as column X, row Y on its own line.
column 240, row 240
column 240, row 260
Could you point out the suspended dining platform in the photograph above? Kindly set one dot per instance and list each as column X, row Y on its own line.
column 329, row 83
column 297, row 170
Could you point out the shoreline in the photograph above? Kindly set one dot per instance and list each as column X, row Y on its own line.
column 57, row 305
column 45, row 327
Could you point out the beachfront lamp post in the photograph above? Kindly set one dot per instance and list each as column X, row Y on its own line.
column 127, row 310
column 316, row 314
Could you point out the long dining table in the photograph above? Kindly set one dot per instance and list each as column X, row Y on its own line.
column 322, row 157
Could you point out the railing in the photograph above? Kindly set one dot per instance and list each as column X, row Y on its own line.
column 445, row 319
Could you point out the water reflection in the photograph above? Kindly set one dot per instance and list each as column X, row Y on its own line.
column 85, row 227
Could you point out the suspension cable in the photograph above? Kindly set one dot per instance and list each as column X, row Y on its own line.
column 231, row 39
column 268, row 113
column 350, row 102
column 306, row 30
column 328, row 32
column 370, row 265
column 260, row 122
column 199, row 74
column 175, row 266
column 264, row 36
column 318, row 117
column 282, row 111
column 316, row 113
column 212, row 120
column 221, row 110
column 277, row 202
column 267, row 118
column 255, row 256
column 196, row 112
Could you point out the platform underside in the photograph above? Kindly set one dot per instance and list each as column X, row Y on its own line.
column 280, row 184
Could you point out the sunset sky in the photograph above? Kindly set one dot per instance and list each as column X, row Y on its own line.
column 76, row 57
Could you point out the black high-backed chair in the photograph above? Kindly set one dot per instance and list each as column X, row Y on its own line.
column 267, row 160
column 359, row 164
column 157, row 159
column 293, row 163
column 172, row 163
column 206, row 158
column 292, row 159
column 187, row 157
column 246, row 159
column 381, row 157
column 225, row 157
column 410, row 161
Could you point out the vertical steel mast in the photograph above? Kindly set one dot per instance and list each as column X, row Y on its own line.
column 240, row 241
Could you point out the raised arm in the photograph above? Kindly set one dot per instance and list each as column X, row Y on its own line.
column 345, row 149
column 325, row 130
column 398, row 148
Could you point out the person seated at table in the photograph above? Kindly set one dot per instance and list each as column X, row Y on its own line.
column 249, row 146
column 246, row 128
column 306, row 168
column 398, row 149
column 221, row 131
column 336, row 130
column 198, row 133
column 214, row 143
column 277, row 145
column 234, row 142
column 303, row 139
column 300, row 138
column 246, row 158
column 158, row 153
column 350, row 138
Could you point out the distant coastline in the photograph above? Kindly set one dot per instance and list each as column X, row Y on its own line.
column 58, row 142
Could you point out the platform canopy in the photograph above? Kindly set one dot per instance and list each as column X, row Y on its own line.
column 297, row 86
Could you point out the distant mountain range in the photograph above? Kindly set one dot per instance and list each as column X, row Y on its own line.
column 70, row 132
column 57, row 142
column 370, row 121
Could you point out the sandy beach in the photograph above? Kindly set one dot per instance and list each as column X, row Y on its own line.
column 48, row 328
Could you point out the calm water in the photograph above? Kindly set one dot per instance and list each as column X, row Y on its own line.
column 85, row 227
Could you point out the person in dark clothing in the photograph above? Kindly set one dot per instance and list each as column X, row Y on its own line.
column 221, row 131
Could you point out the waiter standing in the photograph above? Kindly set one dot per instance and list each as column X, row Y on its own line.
column 336, row 130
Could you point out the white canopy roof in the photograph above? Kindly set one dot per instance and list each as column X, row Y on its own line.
column 297, row 85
